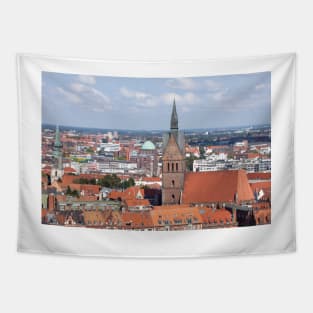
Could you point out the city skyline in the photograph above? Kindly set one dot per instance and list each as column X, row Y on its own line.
column 144, row 103
column 169, row 183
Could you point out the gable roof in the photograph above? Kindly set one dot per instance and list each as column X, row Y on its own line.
column 133, row 192
column 219, row 186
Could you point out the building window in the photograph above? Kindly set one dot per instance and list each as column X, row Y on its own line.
column 173, row 183
column 168, row 167
column 172, row 167
column 173, row 197
column 176, row 167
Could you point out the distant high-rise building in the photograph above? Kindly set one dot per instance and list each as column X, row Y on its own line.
column 57, row 169
column 173, row 162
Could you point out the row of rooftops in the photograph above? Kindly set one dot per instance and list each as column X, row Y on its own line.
column 199, row 187
column 159, row 218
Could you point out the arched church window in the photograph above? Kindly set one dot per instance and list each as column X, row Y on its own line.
column 173, row 183
column 172, row 167
column 173, row 197
column 168, row 167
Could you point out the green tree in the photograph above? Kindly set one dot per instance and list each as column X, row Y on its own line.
column 110, row 181
column 189, row 162
column 202, row 152
column 89, row 150
column 68, row 191
column 131, row 182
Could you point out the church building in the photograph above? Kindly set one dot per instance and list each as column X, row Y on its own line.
column 197, row 188
column 173, row 162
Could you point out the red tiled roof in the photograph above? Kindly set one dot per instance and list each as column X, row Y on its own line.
column 136, row 219
column 44, row 213
column 137, row 202
column 69, row 170
column 85, row 187
column 75, row 186
column 261, row 185
column 262, row 216
column 132, row 192
column 252, row 155
column 68, row 179
column 265, row 186
column 259, row 176
column 175, row 214
column 220, row 186
column 115, row 195
column 215, row 216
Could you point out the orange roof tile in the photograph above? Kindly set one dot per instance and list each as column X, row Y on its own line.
column 263, row 185
column 136, row 219
column 115, row 195
column 175, row 215
column 85, row 187
column 219, row 216
column 68, row 169
column 133, row 192
column 220, row 186
column 137, row 202
column 259, row 176
column 68, row 179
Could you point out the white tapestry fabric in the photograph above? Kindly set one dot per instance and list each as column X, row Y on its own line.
column 179, row 158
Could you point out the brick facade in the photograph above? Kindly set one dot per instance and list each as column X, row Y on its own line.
column 173, row 165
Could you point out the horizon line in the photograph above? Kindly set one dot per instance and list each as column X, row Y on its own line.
column 158, row 130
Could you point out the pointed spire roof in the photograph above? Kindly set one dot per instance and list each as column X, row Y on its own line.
column 174, row 117
column 57, row 141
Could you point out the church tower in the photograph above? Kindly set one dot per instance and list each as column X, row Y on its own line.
column 173, row 162
column 57, row 168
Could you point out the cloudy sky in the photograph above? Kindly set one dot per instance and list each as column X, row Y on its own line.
column 145, row 103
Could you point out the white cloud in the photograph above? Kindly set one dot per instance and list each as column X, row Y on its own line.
column 71, row 97
column 220, row 95
column 211, row 85
column 186, row 98
column 134, row 94
column 86, row 79
column 78, row 87
column 141, row 99
column 186, row 101
column 87, row 97
column 182, row 83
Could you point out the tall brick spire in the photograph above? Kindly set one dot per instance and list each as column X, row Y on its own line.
column 173, row 162
column 174, row 117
